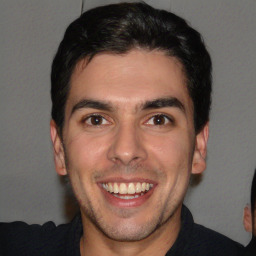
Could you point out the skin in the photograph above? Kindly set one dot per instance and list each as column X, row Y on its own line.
column 129, row 145
column 249, row 220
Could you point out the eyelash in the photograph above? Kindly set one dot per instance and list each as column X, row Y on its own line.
column 100, row 116
column 167, row 119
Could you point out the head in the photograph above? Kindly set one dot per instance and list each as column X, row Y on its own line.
column 131, row 90
column 250, row 210
column 118, row 29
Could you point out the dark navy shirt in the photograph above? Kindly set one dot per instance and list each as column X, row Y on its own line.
column 20, row 239
column 250, row 249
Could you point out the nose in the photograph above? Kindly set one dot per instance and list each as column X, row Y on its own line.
column 127, row 146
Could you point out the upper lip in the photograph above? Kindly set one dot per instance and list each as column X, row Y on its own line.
column 126, row 180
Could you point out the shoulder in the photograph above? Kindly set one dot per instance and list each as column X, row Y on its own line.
column 19, row 238
column 213, row 243
column 250, row 249
column 198, row 240
column 22, row 230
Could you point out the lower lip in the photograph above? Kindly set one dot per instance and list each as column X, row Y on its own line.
column 126, row 203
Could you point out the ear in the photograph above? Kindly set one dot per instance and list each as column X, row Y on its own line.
column 199, row 157
column 247, row 218
column 59, row 156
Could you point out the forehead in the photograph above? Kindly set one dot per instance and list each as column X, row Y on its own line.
column 129, row 79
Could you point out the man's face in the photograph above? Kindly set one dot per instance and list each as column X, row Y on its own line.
column 129, row 143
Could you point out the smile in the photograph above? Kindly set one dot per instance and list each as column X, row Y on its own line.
column 127, row 191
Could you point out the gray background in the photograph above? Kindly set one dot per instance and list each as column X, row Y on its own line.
column 30, row 32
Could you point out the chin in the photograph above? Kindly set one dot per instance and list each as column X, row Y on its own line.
column 128, row 234
column 125, row 230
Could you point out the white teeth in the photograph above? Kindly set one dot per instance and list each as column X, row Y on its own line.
column 131, row 189
column 138, row 187
column 126, row 197
column 143, row 186
column 122, row 189
column 116, row 190
column 127, row 188
column 110, row 188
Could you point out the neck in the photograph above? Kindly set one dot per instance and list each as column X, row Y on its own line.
column 94, row 242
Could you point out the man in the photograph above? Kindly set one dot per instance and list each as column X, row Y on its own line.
column 131, row 93
column 250, row 219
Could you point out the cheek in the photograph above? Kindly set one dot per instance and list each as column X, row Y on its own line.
column 85, row 152
column 171, row 151
column 84, row 156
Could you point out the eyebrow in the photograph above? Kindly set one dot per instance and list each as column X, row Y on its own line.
column 164, row 102
column 87, row 103
column 152, row 104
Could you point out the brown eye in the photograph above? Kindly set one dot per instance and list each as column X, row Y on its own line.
column 159, row 120
column 95, row 120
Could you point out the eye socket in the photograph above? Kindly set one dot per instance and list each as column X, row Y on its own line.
column 95, row 120
column 159, row 120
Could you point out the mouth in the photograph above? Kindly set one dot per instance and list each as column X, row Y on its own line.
column 127, row 191
column 127, row 194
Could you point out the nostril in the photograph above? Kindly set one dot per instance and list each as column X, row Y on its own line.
column 127, row 146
